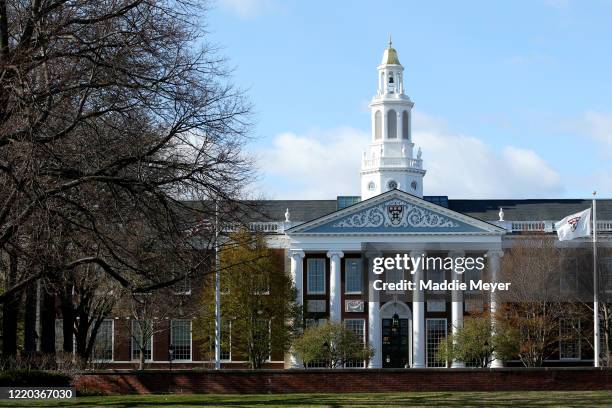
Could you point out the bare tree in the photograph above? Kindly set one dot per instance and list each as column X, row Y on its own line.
column 112, row 114
column 534, row 306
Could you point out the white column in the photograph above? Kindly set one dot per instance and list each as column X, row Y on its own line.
column 400, row 124
column 384, row 119
column 297, row 272
column 374, row 329
column 297, row 275
column 418, row 315
column 456, row 304
column 335, row 285
column 494, row 264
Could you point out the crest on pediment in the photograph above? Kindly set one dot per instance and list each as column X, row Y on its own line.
column 396, row 213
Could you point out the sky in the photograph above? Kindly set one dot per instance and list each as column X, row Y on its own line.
column 512, row 99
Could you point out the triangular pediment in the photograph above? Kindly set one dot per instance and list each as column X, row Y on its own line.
column 396, row 212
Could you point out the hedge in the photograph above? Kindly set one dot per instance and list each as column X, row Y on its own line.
column 34, row 378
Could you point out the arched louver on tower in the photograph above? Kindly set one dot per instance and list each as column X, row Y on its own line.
column 405, row 125
column 391, row 124
column 377, row 125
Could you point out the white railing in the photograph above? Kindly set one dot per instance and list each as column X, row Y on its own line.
column 528, row 225
column 604, row 226
column 271, row 227
column 278, row 227
column 393, row 162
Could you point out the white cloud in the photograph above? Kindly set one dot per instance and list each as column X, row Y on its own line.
column 462, row 166
column 247, row 8
column 324, row 164
column 599, row 126
column 319, row 164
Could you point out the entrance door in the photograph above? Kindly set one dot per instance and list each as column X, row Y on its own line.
column 395, row 343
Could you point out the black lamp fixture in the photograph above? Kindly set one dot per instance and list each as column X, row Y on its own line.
column 395, row 320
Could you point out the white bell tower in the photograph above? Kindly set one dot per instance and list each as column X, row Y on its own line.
column 389, row 162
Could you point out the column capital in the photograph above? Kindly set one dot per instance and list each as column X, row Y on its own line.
column 296, row 253
column 332, row 253
column 373, row 254
column 417, row 253
column 495, row 253
column 456, row 253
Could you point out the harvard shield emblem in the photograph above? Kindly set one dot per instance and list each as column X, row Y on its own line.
column 573, row 222
column 395, row 213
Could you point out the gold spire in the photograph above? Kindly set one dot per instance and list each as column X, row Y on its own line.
column 390, row 55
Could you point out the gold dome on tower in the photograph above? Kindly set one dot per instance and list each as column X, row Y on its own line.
column 390, row 55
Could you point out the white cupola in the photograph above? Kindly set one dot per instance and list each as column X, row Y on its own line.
column 389, row 161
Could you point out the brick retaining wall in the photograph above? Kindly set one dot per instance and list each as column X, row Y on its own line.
column 332, row 381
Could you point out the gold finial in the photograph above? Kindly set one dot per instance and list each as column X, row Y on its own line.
column 390, row 42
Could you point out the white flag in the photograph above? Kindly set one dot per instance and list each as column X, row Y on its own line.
column 574, row 226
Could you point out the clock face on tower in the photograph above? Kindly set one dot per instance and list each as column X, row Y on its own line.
column 392, row 184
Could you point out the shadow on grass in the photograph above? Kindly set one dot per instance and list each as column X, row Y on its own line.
column 447, row 399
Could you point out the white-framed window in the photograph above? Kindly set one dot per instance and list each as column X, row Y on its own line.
column 357, row 326
column 394, row 275
column 180, row 339
column 148, row 346
column 606, row 274
column 183, row 287
column 472, row 275
column 473, row 304
column 353, row 276
column 569, row 276
column 436, row 332
column 103, row 345
column 569, row 339
column 226, row 339
column 315, row 280
column 435, row 273
column 308, row 323
column 436, row 305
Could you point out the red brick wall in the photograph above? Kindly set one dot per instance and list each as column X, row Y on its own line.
column 288, row 381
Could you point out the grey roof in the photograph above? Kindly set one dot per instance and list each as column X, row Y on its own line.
column 485, row 210
column 529, row 210
column 300, row 210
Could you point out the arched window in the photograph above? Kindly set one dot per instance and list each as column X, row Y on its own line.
column 377, row 125
column 391, row 124
column 405, row 125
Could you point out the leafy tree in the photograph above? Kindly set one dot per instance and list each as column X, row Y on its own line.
column 475, row 344
column 258, row 300
column 333, row 344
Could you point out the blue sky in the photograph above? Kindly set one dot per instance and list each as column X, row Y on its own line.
column 512, row 99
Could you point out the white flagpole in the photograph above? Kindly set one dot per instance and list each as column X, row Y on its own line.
column 217, row 293
column 595, row 288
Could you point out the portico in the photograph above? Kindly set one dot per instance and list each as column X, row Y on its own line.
column 332, row 265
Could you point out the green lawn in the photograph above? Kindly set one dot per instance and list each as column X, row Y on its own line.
column 448, row 399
